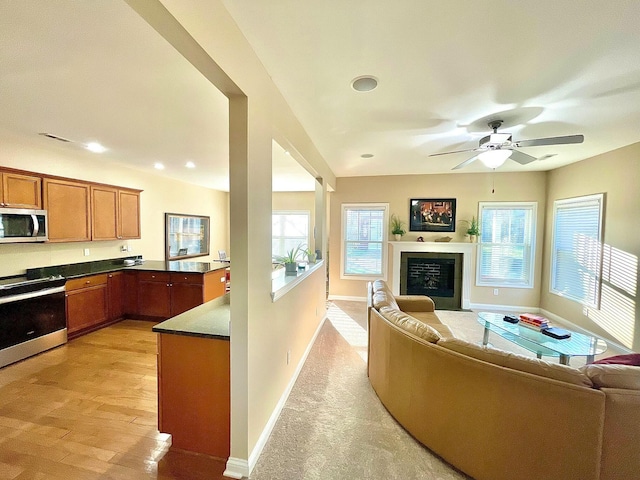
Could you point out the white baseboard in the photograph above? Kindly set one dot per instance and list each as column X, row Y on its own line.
column 237, row 466
column 346, row 297
column 578, row 328
column 503, row 308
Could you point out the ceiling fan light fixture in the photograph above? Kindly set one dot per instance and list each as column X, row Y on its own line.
column 494, row 158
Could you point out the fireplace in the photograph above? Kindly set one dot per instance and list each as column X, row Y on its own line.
column 467, row 258
column 437, row 275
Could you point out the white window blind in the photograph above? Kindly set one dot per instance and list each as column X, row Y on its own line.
column 576, row 256
column 288, row 230
column 363, row 240
column 507, row 244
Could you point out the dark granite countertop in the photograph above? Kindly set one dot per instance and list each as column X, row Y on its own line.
column 209, row 320
column 75, row 270
column 182, row 267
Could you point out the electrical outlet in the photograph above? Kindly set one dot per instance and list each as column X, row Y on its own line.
column 495, row 291
column 288, row 356
column 86, row 252
column 129, row 248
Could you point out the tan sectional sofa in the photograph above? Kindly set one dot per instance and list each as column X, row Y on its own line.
column 496, row 415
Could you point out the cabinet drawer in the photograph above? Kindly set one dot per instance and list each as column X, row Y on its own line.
column 84, row 282
column 153, row 277
column 192, row 278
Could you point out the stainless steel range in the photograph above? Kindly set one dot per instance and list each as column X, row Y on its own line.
column 32, row 316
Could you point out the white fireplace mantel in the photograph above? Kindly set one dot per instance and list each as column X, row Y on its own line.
column 467, row 249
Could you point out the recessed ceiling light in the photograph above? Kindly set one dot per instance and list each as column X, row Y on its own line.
column 286, row 152
column 365, row 83
column 95, row 147
column 158, row 166
column 190, row 164
column 366, row 155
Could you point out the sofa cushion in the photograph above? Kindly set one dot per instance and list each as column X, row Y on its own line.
column 514, row 361
column 410, row 324
column 415, row 303
column 382, row 296
column 426, row 317
column 613, row 376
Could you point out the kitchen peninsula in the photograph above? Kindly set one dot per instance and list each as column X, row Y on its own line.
column 194, row 378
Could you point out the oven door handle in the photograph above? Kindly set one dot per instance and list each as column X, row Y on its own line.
column 28, row 295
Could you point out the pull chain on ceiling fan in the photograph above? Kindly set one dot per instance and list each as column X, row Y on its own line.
column 494, row 149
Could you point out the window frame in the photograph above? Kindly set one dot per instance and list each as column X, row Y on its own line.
column 583, row 199
column 292, row 212
column 532, row 227
column 345, row 207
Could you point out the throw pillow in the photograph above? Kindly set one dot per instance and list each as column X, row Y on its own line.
column 629, row 359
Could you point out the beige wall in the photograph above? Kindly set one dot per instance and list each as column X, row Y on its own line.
column 160, row 195
column 617, row 174
column 292, row 201
column 468, row 190
column 260, row 329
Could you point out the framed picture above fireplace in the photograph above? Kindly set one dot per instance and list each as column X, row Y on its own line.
column 432, row 215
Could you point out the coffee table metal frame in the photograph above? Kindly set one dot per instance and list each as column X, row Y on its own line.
column 540, row 344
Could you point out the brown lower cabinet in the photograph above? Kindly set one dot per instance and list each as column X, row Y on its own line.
column 165, row 295
column 86, row 302
column 197, row 422
column 97, row 300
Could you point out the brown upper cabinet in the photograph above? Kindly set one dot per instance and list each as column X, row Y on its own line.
column 67, row 203
column 77, row 211
column 115, row 213
column 128, row 214
column 20, row 191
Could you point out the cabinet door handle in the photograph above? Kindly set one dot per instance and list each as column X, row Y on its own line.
column 88, row 282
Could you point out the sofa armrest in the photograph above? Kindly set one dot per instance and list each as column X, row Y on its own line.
column 415, row 303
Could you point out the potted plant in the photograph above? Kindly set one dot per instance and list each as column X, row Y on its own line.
column 290, row 260
column 473, row 231
column 397, row 226
column 311, row 255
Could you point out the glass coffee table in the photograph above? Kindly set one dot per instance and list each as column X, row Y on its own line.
column 540, row 344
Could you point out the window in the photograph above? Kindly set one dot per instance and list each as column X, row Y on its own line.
column 507, row 244
column 576, row 255
column 364, row 237
column 288, row 230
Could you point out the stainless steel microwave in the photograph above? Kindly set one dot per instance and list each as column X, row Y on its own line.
column 23, row 225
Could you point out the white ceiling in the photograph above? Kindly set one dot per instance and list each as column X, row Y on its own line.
column 445, row 68
column 95, row 71
column 87, row 70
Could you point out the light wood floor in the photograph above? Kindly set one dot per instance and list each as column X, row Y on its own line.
column 88, row 410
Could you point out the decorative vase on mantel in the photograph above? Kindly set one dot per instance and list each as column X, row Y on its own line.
column 398, row 237
column 472, row 238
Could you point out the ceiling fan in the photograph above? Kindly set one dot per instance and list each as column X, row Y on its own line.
column 494, row 149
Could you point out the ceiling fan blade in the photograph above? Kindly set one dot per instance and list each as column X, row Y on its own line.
column 456, row 151
column 537, row 142
column 465, row 163
column 521, row 158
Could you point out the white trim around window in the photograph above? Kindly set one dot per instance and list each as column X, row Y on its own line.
column 507, row 244
column 363, row 251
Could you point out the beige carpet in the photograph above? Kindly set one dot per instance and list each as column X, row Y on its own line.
column 334, row 427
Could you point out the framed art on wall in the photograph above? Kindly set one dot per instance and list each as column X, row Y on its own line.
column 432, row 215
column 186, row 236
